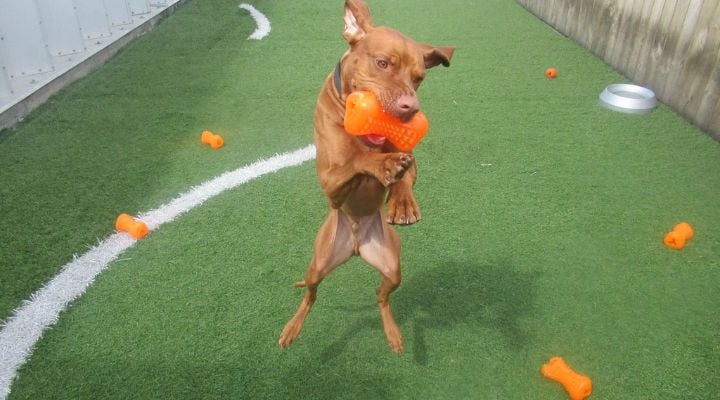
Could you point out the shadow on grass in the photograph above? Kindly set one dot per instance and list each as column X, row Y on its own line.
column 490, row 296
column 337, row 381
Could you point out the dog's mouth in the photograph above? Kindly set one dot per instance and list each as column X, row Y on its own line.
column 373, row 140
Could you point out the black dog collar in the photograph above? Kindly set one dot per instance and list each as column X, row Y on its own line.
column 337, row 80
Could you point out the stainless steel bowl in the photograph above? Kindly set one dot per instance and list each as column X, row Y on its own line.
column 628, row 98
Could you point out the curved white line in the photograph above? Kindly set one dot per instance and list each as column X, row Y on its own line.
column 21, row 331
column 263, row 24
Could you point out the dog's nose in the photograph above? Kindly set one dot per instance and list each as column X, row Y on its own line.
column 407, row 106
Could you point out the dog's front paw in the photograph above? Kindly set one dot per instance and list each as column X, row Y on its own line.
column 403, row 209
column 395, row 166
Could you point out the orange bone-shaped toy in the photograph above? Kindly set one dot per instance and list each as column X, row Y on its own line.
column 209, row 138
column 126, row 223
column 676, row 238
column 365, row 116
column 578, row 386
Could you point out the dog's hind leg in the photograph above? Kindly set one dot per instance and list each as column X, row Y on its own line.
column 334, row 245
column 380, row 247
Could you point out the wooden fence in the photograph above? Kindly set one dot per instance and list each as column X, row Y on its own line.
column 670, row 46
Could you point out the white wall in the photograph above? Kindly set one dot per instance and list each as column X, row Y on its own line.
column 42, row 39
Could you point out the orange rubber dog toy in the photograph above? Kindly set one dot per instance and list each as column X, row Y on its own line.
column 209, row 138
column 551, row 73
column 365, row 116
column 578, row 386
column 127, row 223
column 678, row 236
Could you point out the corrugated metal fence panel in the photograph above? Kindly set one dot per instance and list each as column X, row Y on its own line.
column 42, row 40
column 139, row 7
column 118, row 12
column 671, row 46
column 24, row 51
column 93, row 18
column 60, row 27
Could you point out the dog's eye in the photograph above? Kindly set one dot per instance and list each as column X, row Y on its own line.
column 382, row 64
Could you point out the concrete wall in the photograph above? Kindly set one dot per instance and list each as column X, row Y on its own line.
column 47, row 44
column 670, row 46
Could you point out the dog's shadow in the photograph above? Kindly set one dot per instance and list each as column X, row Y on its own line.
column 492, row 296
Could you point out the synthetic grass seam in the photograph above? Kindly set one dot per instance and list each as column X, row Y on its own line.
column 21, row 331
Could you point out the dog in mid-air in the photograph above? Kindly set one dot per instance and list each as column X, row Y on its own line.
column 359, row 174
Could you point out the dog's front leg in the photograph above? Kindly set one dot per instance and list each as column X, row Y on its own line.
column 403, row 209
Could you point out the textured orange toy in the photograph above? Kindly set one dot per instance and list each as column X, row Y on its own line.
column 365, row 116
column 209, row 138
column 578, row 386
column 126, row 223
column 676, row 238
column 551, row 73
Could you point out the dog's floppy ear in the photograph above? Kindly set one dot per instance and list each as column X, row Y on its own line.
column 436, row 55
column 357, row 20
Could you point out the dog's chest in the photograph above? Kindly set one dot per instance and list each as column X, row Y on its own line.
column 367, row 197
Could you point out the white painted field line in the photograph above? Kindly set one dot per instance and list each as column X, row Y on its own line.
column 263, row 24
column 21, row 331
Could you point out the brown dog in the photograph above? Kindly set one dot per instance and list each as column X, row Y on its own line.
column 356, row 173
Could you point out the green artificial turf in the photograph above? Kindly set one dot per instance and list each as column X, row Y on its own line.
column 543, row 215
column 127, row 138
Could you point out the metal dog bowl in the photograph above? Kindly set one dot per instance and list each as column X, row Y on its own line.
column 628, row 98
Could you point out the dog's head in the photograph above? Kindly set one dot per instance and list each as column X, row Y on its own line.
column 386, row 62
